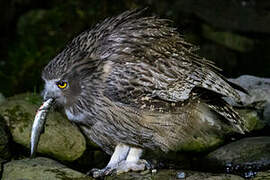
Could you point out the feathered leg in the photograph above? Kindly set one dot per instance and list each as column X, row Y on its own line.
column 124, row 159
column 120, row 153
column 133, row 162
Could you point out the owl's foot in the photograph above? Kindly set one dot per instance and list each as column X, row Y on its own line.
column 122, row 167
column 124, row 159
column 100, row 172
column 126, row 166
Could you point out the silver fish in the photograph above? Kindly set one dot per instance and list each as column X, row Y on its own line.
column 38, row 125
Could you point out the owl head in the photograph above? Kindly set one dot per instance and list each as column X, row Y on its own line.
column 63, row 86
column 68, row 76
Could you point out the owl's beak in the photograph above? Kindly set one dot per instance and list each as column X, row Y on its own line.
column 47, row 95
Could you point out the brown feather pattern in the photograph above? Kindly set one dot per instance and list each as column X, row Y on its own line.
column 141, row 84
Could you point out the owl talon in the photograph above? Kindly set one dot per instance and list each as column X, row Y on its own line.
column 122, row 167
column 100, row 172
column 127, row 166
column 147, row 164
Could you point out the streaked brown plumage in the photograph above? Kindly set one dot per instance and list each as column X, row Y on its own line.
column 134, row 80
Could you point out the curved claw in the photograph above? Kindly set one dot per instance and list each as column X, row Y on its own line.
column 100, row 172
column 147, row 164
column 126, row 166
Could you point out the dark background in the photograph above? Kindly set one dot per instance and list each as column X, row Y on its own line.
column 233, row 33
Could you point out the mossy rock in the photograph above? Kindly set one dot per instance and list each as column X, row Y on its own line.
column 172, row 174
column 262, row 175
column 40, row 169
column 245, row 154
column 61, row 139
column 252, row 120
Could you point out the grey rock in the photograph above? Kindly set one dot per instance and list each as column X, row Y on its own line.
column 166, row 174
column 47, row 169
column 247, row 153
column 61, row 139
column 39, row 169
column 258, row 88
column 258, row 99
column 266, row 113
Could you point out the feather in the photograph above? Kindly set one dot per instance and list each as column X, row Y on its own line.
column 135, row 80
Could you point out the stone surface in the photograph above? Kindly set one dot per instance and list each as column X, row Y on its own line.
column 258, row 88
column 61, row 139
column 262, row 175
column 39, row 169
column 266, row 113
column 172, row 174
column 245, row 154
column 256, row 102
column 43, row 168
column 252, row 120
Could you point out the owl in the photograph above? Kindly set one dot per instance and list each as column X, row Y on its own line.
column 133, row 83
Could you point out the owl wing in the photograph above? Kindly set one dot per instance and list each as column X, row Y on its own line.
column 147, row 57
column 165, row 82
column 171, row 79
column 167, row 69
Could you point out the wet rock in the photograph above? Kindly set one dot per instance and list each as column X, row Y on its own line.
column 257, row 102
column 252, row 119
column 262, row 175
column 172, row 174
column 258, row 88
column 266, row 113
column 248, row 154
column 39, row 169
column 171, row 159
column 61, row 139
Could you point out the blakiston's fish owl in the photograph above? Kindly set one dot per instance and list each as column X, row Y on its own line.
column 133, row 83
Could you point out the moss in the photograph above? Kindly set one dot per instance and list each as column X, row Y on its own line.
column 62, row 174
column 201, row 144
column 17, row 114
column 251, row 120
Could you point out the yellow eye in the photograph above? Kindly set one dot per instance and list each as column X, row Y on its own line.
column 61, row 84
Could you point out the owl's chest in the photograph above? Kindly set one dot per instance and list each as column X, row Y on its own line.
column 76, row 117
